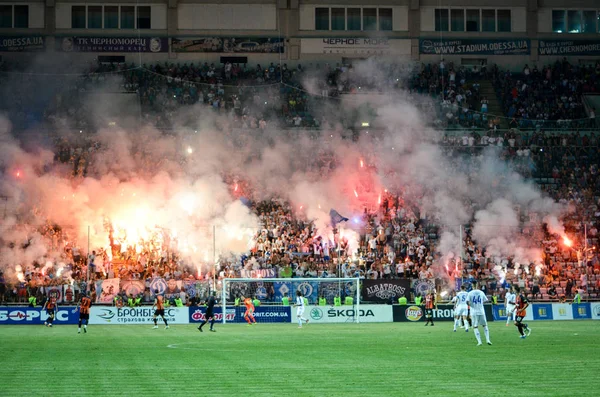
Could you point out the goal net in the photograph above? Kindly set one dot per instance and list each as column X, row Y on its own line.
column 322, row 297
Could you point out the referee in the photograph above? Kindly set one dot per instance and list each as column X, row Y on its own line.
column 209, row 315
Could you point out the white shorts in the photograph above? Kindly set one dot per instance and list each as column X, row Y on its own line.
column 461, row 310
column 510, row 309
column 478, row 319
column 299, row 311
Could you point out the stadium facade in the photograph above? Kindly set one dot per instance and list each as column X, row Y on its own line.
column 509, row 33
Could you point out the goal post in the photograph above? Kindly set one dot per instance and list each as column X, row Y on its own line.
column 331, row 292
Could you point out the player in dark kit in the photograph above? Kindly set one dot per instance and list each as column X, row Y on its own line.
column 50, row 307
column 521, row 307
column 84, row 313
column 429, row 305
column 159, row 304
column 209, row 315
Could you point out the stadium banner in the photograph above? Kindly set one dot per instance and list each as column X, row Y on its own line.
column 56, row 292
column 595, row 309
column 11, row 315
column 239, row 45
column 68, row 294
column 136, row 315
column 356, row 46
column 235, row 314
column 421, row 287
column 310, row 290
column 385, row 290
column 475, row 46
column 413, row 313
column 562, row 311
column 581, row 311
column 22, row 43
column 112, row 44
column 569, row 47
column 108, row 288
column 261, row 273
column 542, row 311
column 133, row 287
column 346, row 314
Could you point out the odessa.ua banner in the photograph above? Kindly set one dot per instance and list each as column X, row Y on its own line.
column 22, row 43
column 475, row 47
column 262, row 314
column 136, row 315
column 112, row 44
column 385, row 291
column 346, row 314
column 35, row 315
column 569, row 47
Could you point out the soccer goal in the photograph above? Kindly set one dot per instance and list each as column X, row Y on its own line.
column 335, row 295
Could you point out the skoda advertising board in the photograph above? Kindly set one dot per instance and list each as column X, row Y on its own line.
column 343, row 314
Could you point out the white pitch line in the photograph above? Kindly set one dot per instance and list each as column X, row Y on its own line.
column 201, row 348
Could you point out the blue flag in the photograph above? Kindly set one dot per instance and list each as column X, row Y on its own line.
column 246, row 201
column 336, row 217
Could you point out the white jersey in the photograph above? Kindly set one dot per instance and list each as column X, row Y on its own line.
column 461, row 298
column 299, row 306
column 476, row 300
column 510, row 299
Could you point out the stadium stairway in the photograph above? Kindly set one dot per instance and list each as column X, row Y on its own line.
column 494, row 107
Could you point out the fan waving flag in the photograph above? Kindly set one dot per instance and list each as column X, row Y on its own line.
column 336, row 217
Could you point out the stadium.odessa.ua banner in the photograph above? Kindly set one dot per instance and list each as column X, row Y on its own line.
column 112, row 44
column 35, row 315
column 22, row 43
column 343, row 314
column 136, row 315
column 475, row 47
column 262, row 314
column 569, row 47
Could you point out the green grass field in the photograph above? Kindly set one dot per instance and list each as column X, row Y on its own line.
column 394, row 359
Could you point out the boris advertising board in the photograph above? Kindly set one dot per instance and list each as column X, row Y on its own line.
column 35, row 315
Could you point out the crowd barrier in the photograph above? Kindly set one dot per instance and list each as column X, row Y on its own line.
column 106, row 315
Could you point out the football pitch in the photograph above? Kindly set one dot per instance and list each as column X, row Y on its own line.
column 391, row 359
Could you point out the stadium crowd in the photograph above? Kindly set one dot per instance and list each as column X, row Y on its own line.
column 536, row 98
column 394, row 241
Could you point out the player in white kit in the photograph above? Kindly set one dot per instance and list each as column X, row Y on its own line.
column 476, row 299
column 461, row 309
column 509, row 302
column 300, row 309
